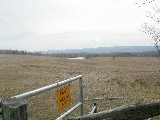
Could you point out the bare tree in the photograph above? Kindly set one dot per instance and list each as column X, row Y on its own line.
column 154, row 33
column 144, row 2
column 152, row 29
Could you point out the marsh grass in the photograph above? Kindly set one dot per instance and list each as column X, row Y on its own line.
column 136, row 79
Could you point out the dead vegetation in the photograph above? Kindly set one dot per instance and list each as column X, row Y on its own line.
column 135, row 79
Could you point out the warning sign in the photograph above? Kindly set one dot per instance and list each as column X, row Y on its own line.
column 63, row 96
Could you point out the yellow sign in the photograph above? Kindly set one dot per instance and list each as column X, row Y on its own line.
column 63, row 97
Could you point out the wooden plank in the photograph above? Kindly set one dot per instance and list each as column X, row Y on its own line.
column 126, row 112
column 14, row 109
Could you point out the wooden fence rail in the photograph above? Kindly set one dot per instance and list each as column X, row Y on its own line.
column 126, row 112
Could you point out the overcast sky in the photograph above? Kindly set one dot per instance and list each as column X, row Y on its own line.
column 63, row 24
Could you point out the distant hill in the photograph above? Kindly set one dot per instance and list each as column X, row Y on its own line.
column 103, row 50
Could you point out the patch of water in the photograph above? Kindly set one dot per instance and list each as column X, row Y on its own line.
column 77, row 58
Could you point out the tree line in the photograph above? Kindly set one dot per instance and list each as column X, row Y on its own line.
column 86, row 55
column 16, row 52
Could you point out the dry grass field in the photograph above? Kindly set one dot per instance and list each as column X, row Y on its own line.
column 136, row 79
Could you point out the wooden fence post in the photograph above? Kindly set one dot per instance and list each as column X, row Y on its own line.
column 14, row 109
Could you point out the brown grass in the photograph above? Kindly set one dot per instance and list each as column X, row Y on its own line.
column 137, row 79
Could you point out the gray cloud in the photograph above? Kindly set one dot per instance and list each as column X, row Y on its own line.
column 17, row 37
column 2, row 21
column 61, row 24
